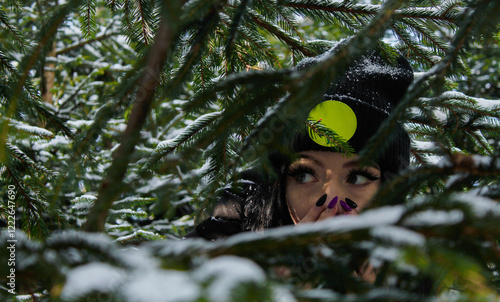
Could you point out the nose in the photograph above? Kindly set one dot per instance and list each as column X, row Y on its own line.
column 336, row 195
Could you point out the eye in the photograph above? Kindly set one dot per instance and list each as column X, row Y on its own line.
column 302, row 174
column 361, row 177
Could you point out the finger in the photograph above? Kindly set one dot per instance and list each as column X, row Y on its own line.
column 367, row 272
column 331, row 209
column 314, row 213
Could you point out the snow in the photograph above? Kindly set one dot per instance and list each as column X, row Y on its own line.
column 481, row 205
column 371, row 218
column 178, row 248
column 29, row 129
column 166, row 144
column 319, row 294
column 131, row 199
column 484, row 103
column 455, row 178
column 282, row 294
column 157, row 182
column 188, row 129
column 139, row 258
column 369, row 67
column 144, row 281
column 29, row 298
column 435, row 217
column 398, row 235
column 88, row 197
column 83, row 202
column 443, row 162
column 226, row 273
column 423, row 146
column 92, row 277
column 478, row 161
column 161, row 286
column 127, row 211
column 440, row 116
column 149, row 282
column 381, row 254
column 57, row 141
column 81, row 206
column 137, row 234
column 485, row 161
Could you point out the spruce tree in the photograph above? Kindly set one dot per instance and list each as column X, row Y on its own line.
column 120, row 120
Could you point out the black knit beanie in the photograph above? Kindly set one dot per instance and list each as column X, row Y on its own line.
column 371, row 88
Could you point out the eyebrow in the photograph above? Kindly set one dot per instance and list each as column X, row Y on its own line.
column 349, row 164
column 355, row 163
column 311, row 158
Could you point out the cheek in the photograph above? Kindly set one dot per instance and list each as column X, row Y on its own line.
column 299, row 201
column 363, row 196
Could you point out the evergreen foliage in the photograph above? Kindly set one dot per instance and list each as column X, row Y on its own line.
column 124, row 118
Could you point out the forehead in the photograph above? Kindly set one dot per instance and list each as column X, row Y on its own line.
column 326, row 156
column 331, row 159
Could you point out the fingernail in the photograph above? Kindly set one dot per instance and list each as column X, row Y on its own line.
column 333, row 203
column 321, row 201
column 351, row 203
column 345, row 206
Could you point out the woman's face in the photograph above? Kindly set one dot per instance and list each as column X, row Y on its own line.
column 317, row 173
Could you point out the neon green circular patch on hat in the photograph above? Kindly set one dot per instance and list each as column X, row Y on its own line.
column 335, row 115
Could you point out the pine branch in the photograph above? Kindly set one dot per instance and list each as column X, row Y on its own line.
column 330, row 6
column 414, row 48
column 181, row 74
column 436, row 14
column 457, row 163
column 280, row 34
column 6, row 65
column 426, row 34
column 27, row 161
column 83, row 43
column 167, row 147
column 237, row 21
column 377, row 143
column 96, row 244
column 319, row 76
column 119, row 97
column 318, row 129
column 140, row 22
column 20, row 38
column 203, row 98
column 46, row 33
column 481, row 140
column 112, row 184
column 253, row 38
column 286, row 19
column 113, row 5
column 33, row 205
column 143, row 10
column 88, row 22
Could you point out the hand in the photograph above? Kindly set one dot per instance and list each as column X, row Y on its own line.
column 366, row 272
column 323, row 210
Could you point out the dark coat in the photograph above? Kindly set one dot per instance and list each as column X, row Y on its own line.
column 228, row 216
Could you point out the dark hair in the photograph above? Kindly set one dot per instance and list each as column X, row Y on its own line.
column 266, row 207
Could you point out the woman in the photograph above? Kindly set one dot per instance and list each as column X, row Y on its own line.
column 321, row 183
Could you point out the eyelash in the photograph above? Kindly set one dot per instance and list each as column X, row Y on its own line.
column 296, row 171
column 370, row 176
